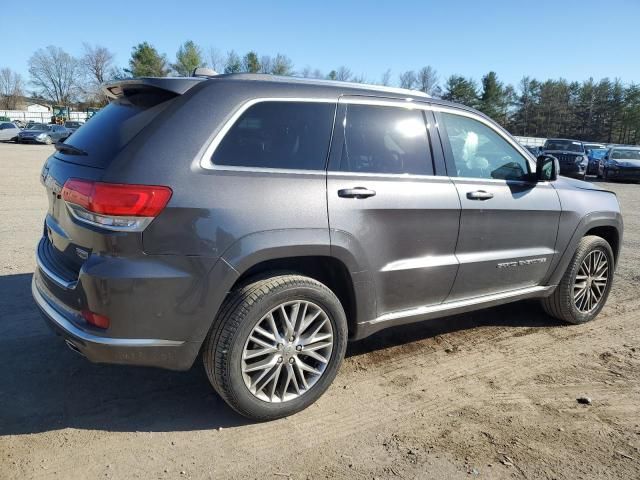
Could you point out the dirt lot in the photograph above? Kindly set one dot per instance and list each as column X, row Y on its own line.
column 490, row 394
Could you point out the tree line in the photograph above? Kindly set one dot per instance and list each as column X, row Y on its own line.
column 605, row 110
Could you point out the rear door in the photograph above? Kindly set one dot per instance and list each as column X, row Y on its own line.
column 386, row 204
column 509, row 222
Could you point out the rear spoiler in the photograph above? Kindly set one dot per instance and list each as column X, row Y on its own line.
column 175, row 85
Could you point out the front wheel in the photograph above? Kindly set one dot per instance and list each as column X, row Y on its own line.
column 48, row 140
column 276, row 346
column 585, row 286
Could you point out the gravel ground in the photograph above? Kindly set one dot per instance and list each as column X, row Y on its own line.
column 491, row 394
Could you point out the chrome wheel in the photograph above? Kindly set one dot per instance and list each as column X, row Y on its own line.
column 591, row 281
column 287, row 351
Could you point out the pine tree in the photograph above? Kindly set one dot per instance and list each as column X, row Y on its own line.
column 145, row 61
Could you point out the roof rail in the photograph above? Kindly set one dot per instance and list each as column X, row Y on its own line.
column 320, row 82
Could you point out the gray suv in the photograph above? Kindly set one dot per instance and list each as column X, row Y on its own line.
column 261, row 222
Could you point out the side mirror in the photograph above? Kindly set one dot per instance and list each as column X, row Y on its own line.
column 547, row 168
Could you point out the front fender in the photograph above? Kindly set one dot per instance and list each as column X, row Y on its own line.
column 588, row 222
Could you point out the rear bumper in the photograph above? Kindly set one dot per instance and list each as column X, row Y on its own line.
column 169, row 354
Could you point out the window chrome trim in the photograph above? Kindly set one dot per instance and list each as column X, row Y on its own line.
column 206, row 161
column 394, row 176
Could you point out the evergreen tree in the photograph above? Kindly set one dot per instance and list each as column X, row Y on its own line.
column 146, row 61
column 461, row 90
column 188, row 58
column 251, row 63
column 233, row 63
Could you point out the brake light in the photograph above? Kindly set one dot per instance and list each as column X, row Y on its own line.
column 96, row 319
column 115, row 206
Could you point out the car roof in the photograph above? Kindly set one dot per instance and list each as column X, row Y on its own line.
column 306, row 86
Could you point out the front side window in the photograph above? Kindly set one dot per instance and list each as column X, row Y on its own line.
column 271, row 134
column 380, row 139
column 480, row 152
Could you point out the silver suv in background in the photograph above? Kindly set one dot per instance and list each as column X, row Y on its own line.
column 260, row 222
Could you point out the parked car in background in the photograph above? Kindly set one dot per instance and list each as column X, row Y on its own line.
column 300, row 214
column 534, row 150
column 72, row 125
column 41, row 133
column 620, row 163
column 19, row 123
column 8, row 131
column 571, row 155
column 595, row 153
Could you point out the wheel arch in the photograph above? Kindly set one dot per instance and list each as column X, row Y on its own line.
column 607, row 225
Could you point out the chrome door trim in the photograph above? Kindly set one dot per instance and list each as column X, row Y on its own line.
column 443, row 309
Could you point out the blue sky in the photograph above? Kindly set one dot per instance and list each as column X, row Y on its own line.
column 544, row 39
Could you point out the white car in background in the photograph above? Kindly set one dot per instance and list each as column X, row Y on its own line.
column 8, row 131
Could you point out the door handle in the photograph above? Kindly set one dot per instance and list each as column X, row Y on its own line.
column 479, row 195
column 356, row 192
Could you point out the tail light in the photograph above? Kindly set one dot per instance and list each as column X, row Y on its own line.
column 115, row 206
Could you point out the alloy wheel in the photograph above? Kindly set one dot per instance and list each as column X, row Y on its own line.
column 591, row 281
column 287, row 351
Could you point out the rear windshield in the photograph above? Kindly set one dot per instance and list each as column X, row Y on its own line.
column 110, row 130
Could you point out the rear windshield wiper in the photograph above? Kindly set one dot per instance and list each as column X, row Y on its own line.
column 69, row 149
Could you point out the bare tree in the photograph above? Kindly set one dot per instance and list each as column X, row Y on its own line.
column 408, row 79
column 215, row 59
column 266, row 64
column 55, row 74
column 11, row 89
column 359, row 78
column 386, row 78
column 97, row 63
column 343, row 73
column 306, row 72
column 282, row 65
column 427, row 80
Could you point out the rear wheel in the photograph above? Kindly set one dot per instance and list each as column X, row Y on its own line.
column 276, row 346
column 585, row 286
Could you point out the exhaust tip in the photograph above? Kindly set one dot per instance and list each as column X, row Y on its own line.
column 73, row 347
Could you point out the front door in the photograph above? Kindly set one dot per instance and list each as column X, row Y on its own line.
column 509, row 222
column 386, row 204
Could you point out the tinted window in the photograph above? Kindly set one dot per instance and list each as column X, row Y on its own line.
column 293, row 135
column 385, row 140
column 479, row 152
column 111, row 129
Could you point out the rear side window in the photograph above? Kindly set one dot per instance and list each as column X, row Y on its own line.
column 290, row 135
column 380, row 139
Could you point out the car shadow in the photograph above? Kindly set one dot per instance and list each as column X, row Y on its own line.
column 46, row 386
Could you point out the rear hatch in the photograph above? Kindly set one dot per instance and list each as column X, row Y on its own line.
column 68, row 240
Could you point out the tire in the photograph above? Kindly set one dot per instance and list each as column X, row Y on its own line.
column 247, row 307
column 48, row 140
column 561, row 303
